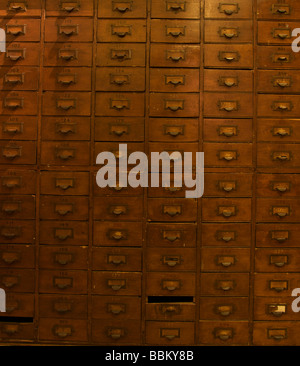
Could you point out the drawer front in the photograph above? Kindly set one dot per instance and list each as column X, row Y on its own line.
column 68, row 30
column 227, row 130
column 270, row 9
column 19, row 305
column 219, row 284
column 175, row 9
column 218, row 308
column 113, row 259
column 74, row 306
column 63, row 257
column 175, row 31
column 274, row 210
column 17, row 331
column 122, row 9
column 283, row 130
column 69, row 282
column 274, row 308
column 277, row 235
column 68, row 54
column 71, row 153
column 169, row 311
column 224, row 333
column 228, row 56
column 19, row 78
column 275, row 284
column 121, row 54
column 231, row 235
column 170, row 284
column 228, row 184
column 62, row 78
column 276, row 260
column 21, row 8
column 276, row 32
column 116, row 307
column 170, row 333
column 17, row 207
column 17, row 280
column 21, row 30
column 64, row 208
column 270, row 334
column 174, row 105
column 171, row 235
column 162, row 55
column 275, row 57
column 119, row 129
column 227, row 155
column 241, row 9
column 16, row 103
column 66, row 183
column 172, row 209
column 20, row 256
column 228, row 80
column 278, row 106
column 225, row 260
column 66, row 104
column 175, row 259
column 66, row 128
column 120, row 79
column 278, row 155
column 18, row 152
column 69, row 8
column 173, row 129
column 121, row 31
column 116, row 283
column 108, row 208
column 120, row 105
column 223, row 31
column 278, row 185
column 112, row 332
column 17, row 231
column 20, row 54
column 15, row 181
column 66, row 330
column 18, row 128
column 272, row 81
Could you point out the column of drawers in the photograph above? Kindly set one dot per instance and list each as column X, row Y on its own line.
column 19, row 83
column 227, row 202
column 277, row 182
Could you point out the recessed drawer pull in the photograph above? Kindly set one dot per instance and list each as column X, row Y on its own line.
column 172, row 210
column 278, row 286
column 62, row 331
column 224, row 310
column 17, row 5
column 10, row 257
column 116, row 309
column 62, row 282
column 64, row 208
column 277, row 309
column 68, row 30
column 122, row 6
column 14, row 78
column 223, row 334
column 171, row 285
column 10, row 329
column 67, row 54
column 281, row 9
column 63, row 258
column 175, row 6
column 69, row 6
column 65, row 153
column 116, row 259
column 279, row 260
column 115, row 333
column 10, row 281
column 63, row 234
column 15, row 30
column 116, row 285
column 12, row 152
column 62, row 307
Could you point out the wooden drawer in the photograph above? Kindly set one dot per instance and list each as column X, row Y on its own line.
column 116, row 283
column 19, row 78
column 17, row 256
column 220, row 284
column 241, row 9
column 278, row 185
column 64, row 183
column 74, row 306
column 276, row 260
column 228, row 56
column 108, row 208
column 64, row 232
column 227, row 154
column 73, row 103
column 19, row 305
column 226, row 31
column 170, row 333
column 21, row 30
column 66, row 208
column 65, row 153
column 228, row 184
column 231, row 235
column 117, row 259
column 63, row 257
column 173, row 129
column 122, row 9
column 270, row 9
column 17, row 231
column 116, row 307
column 224, row 333
column 279, row 33
column 15, row 181
column 278, row 106
column 20, row 8
column 68, row 30
column 62, row 78
column 17, row 331
column 174, row 80
column 17, row 280
column 175, row 31
column 275, row 57
column 121, row 31
column 175, row 9
column 225, row 259
column 171, row 235
column 17, row 207
column 228, row 80
column 18, row 152
column 69, row 8
column 112, row 332
column 220, row 308
column 20, row 54
column 172, row 209
column 228, row 105
column 66, row 128
column 121, row 54
column 278, row 155
column 271, row 81
column 174, row 55
column 20, row 102
column 274, row 308
column 68, row 54
column 276, row 333
column 225, row 130
column 69, row 282
column 18, row 128
column 170, row 311
column 275, row 284
column 283, row 130
column 170, row 284
column 118, row 234
column 119, row 129
column 170, row 259
column 120, row 79
column 70, row 330
column 274, row 210
column 277, row 235
column 120, row 105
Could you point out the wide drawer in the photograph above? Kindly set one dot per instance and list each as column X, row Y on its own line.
column 270, row 81
column 226, row 31
column 279, row 33
column 69, row 8
column 175, row 31
column 170, row 284
column 220, row 284
column 68, row 54
column 21, row 30
column 172, row 209
column 270, row 9
column 220, row 308
column 122, row 9
column 111, row 332
column 278, row 185
column 172, row 80
column 174, row 55
column 227, row 154
column 282, row 130
column 65, row 153
column 19, row 305
column 116, row 307
column 228, row 80
column 17, row 207
column 276, row 260
column 167, row 259
column 175, row 9
column 73, row 103
column 19, row 78
column 17, row 331
column 173, row 129
column 284, row 106
column 274, row 308
column 277, row 210
column 231, row 235
column 64, row 183
column 20, row 54
column 18, row 152
column 66, row 128
column 121, row 54
column 18, row 128
column 117, row 259
column 170, row 333
column 119, row 129
column 121, row 31
column 15, row 181
column 66, row 281
column 227, row 130
column 120, row 79
column 73, row 306
column 120, row 105
column 68, row 30
column 63, row 257
column 17, row 280
column 277, row 235
column 17, row 231
column 170, row 311
column 241, row 9
column 224, row 333
column 70, row 330
column 63, row 78
column 228, row 56
column 275, row 284
column 225, row 259
column 277, row 57
column 276, row 334
column 278, row 155
column 17, row 256
column 21, row 8
column 20, row 102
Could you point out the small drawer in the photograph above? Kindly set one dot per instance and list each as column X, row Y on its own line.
column 278, row 106
column 69, row 8
column 18, row 181
column 170, row 311
column 171, row 259
column 20, row 54
column 283, row 130
column 108, row 208
column 228, row 130
column 224, row 333
column 278, row 81
column 120, row 79
column 74, row 306
column 121, row 30
column 220, row 284
column 279, row 334
column 17, row 331
column 17, row 231
column 225, row 259
column 218, row 308
column 275, row 57
column 64, row 281
column 174, row 80
column 122, row 9
column 272, row 33
column 223, row 31
column 68, row 54
column 174, row 105
column 276, row 260
column 229, row 185
column 19, row 78
column 175, row 31
column 278, row 185
column 241, row 9
column 62, row 78
column 66, row 128
column 274, row 308
column 113, row 332
column 275, row 284
column 226, row 209
column 274, row 210
column 116, row 307
column 18, row 128
column 64, row 208
column 18, row 152
column 230, row 235
column 173, row 129
column 121, row 54
column 170, row 333
column 73, row 103
column 170, row 284
column 22, row 30
column 172, row 209
column 120, row 105
column 116, row 283
column 19, row 305
column 118, row 234
column 72, row 330
column 21, row 8
column 278, row 155
column 228, row 56
column 175, row 9
column 16, row 103
column 174, row 55
column 71, row 153
column 68, row 30
column 277, row 235
column 119, row 129
column 171, row 235
column 17, row 280
column 272, row 9
column 17, row 207
column 121, row 259
column 64, row 232
column 66, row 183
column 228, row 80
column 17, row 256
column 64, row 258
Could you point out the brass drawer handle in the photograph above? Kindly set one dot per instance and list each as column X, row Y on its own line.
column 62, row 307
column 69, row 6
column 15, row 30
column 67, row 54
column 12, row 152
column 121, row 31
column 64, row 183
column 278, row 286
column 223, row 334
column 229, row 32
column 280, row 186
column 175, row 55
column 11, row 182
column 63, row 258
column 280, row 236
column 118, row 235
column 65, row 154
column 174, row 105
column 174, row 131
column 116, row 308
column 281, row 211
column 64, row 208
column 165, row 309
column 119, row 105
column 175, row 79
column 17, row 6
column 175, row 32
column 226, row 285
column 118, row 210
column 171, row 285
column 279, row 260
column 66, row 104
column 12, row 128
column 15, row 54
column 171, row 235
column 62, row 331
column 277, row 309
column 122, row 6
column 172, row 210
column 10, row 329
column 10, row 281
column 175, row 6
column 63, row 282
column 10, row 232
column 116, row 259
column 68, row 30
column 224, row 310
column 281, row 156
column 116, row 285
column 226, row 261
column 121, row 55
column 65, row 128
column 10, row 257
column 229, row 8
column 115, row 333
column 171, row 261
column 63, row 234
column 14, row 103
column 66, row 78
column 282, row 131
column 277, row 334
column 228, row 131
